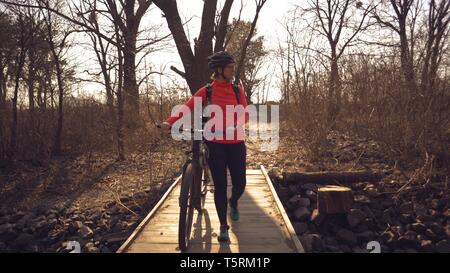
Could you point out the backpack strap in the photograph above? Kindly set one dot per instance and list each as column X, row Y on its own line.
column 236, row 92
column 208, row 101
column 208, row 94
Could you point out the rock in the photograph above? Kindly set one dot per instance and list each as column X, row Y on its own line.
column 276, row 175
column 439, row 204
column 333, row 249
column 304, row 202
column 317, row 244
column 365, row 236
column 346, row 236
column 7, row 233
column 427, row 246
column 311, row 195
column 4, row 220
column 294, row 189
column 91, row 248
column 355, row 216
column 362, row 199
column 443, row 246
column 317, row 218
column 5, row 227
column 345, row 248
column 371, row 191
column 110, row 204
column 23, row 240
column 125, row 199
column 26, row 220
column 302, row 214
column 86, row 232
column 419, row 227
column 16, row 217
column 437, row 229
column 294, row 200
column 410, row 250
column 311, row 242
column 300, row 228
column 357, row 249
column 405, row 218
column 424, row 218
column 387, row 203
column 386, row 216
column 360, row 228
column 420, row 210
column 430, row 234
column 105, row 249
column 387, row 237
column 42, row 228
column 283, row 192
column 309, row 186
column 407, row 207
column 369, row 213
column 55, row 235
column 331, row 241
column 408, row 240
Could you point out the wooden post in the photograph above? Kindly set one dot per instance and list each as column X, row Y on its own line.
column 334, row 199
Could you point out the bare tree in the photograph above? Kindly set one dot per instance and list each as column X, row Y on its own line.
column 56, row 37
column 23, row 40
column 333, row 19
column 259, row 6
column 399, row 24
column 437, row 37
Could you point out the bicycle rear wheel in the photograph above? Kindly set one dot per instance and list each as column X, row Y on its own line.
column 204, row 187
column 186, row 206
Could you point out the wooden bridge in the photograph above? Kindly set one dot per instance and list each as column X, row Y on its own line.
column 263, row 226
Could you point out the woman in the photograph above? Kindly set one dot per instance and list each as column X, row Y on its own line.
column 225, row 151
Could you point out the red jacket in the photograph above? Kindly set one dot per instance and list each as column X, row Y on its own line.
column 222, row 94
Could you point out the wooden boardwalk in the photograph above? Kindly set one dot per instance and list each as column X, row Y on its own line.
column 263, row 227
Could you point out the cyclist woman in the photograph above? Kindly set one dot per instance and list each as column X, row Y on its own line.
column 223, row 151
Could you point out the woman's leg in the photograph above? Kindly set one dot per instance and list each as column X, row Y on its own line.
column 218, row 167
column 236, row 161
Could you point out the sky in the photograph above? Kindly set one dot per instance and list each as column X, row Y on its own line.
column 268, row 25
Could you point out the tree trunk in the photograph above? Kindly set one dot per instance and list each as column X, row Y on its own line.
column 334, row 92
column 2, row 110
column 334, row 199
column 195, row 66
column 332, row 177
column 31, row 76
column 120, row 106
column 20, row 60
column 59, row 126
column 130, row 86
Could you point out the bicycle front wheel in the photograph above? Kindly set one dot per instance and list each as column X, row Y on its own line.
column 186, row 206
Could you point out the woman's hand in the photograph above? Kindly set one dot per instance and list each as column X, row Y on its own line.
column 165, row 127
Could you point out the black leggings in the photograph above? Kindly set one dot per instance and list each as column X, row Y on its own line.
column 220, row 157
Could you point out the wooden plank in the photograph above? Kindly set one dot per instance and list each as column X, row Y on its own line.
column 214, row 248
column 148, row 217
column 262, row 223
column 287, row 221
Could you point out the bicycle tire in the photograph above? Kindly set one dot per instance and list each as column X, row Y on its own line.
column 186, row 207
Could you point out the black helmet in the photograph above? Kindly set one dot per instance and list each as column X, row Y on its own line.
column 220, row 59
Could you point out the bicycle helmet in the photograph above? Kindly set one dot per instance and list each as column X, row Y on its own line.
column 220, row 60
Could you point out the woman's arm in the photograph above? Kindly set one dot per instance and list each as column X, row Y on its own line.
column 201, row 93
column 243, row 101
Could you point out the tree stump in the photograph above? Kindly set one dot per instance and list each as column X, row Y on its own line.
column 334, row 200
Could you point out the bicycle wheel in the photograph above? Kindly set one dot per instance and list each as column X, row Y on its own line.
column 186, row 206
column 204, row 187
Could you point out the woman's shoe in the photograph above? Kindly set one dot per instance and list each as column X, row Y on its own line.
column 223, row 236
column 234, row 213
